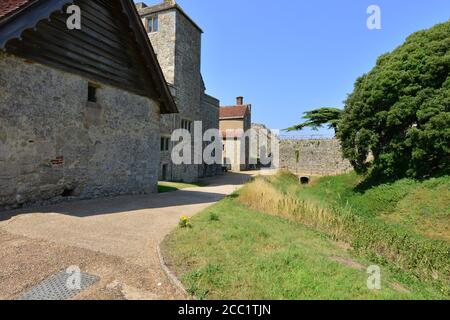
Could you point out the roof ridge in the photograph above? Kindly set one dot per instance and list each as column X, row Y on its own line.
column 234, row 112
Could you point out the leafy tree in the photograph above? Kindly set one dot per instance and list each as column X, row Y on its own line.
column 315, row 119
column 399, row 113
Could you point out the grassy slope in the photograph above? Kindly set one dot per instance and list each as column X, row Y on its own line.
column 365, row 219
column 251, row 255
column 419, row 207
column 164, row 186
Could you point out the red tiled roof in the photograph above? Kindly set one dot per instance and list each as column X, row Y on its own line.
column 9, row 6
column 234, row 112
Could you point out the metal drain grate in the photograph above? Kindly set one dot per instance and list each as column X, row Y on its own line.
column 56, row 288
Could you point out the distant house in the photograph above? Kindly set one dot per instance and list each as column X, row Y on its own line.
column 235, row 123
column 265, row 146
column 79, row 109
column 177, row 40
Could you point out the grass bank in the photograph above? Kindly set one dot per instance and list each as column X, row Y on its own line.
column 403, row 225
column 233, row 252
column 420, row 207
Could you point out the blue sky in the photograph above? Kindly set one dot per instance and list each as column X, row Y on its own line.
column 287, row 57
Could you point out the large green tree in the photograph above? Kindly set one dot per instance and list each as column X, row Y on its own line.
column 397, row 120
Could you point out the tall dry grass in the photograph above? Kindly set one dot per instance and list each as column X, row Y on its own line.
column 426, row 259
column 260, row 195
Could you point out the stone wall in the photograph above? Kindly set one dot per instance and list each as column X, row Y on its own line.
column 178, row 47
column 263, row 140
column 189, row 84
column 313, row 157
column 210, row 120
column 232, row 154
column 53, row 143
column 163, row 43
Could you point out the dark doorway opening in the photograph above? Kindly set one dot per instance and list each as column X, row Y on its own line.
column 165, row 169
column 304, row 180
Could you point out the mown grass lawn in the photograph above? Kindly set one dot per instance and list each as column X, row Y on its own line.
column 165, row 186
column 236, row 253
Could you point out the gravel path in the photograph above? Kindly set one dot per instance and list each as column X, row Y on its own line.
column 115, row 239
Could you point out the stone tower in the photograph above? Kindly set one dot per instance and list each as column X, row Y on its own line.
column 176, row 39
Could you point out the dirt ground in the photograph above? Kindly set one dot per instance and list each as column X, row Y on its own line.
column 25, row 262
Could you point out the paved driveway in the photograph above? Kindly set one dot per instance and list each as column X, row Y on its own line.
column 115, row 239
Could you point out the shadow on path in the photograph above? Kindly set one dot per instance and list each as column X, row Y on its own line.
column 217, row 188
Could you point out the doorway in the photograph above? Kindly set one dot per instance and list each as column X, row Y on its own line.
column 165, row 168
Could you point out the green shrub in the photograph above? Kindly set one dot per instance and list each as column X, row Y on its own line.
column 214, row 217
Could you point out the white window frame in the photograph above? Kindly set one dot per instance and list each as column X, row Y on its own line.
column 152, row 24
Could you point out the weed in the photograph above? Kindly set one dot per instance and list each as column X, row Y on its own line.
column 185, row 222
column 214, row 217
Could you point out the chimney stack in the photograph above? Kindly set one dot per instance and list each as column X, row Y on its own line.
column 240, row 101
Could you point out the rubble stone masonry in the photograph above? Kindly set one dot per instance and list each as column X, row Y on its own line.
column 55, row 144
column 177, row 44
column 313, row 157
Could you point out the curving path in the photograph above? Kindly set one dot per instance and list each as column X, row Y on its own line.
column 115, row 239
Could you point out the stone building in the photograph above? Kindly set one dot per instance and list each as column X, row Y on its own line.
column 79, row 109
column 264, row 146
column 176, row 39
column 235, row 125
column 210, row 120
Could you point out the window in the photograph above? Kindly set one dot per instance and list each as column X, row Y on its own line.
column 152, row 24
column 186, row 124
column 92, row 93
column 165, row 142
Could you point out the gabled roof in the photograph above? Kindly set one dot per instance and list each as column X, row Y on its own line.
column 234, row 112
column 17, row 16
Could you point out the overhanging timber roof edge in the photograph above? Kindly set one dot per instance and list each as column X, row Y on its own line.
column 30, row 13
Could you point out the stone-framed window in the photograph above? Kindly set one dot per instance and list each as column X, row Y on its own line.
column 186, row 124
column 165, row 144
column 152, row 24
